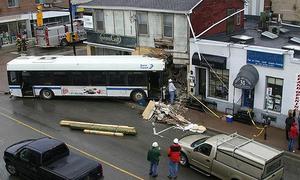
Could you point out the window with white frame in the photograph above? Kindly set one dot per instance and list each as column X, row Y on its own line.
column 13, row 3
column 274, row 94
column 168, row 23
column 142, row 20
column 238, row 18
column 99, row 18
column 218, row 83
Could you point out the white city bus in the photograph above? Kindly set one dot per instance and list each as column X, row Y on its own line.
column 136, row 77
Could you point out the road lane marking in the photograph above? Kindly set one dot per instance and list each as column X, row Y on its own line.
column 72, row 147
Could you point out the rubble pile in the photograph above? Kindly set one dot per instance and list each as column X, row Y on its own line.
column 170, row 114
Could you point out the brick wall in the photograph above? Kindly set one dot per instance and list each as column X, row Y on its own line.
column 25, row 6
column 212, row 11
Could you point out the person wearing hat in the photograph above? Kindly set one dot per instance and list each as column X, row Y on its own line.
column 172, row 91
column 153, row 157
column 174, row 159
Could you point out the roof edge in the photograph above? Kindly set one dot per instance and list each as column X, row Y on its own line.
column 133, row 9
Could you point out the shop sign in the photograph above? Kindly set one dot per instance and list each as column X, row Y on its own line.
column 88, row 22
column 297, row 97
column 265, row 59
column 111, row 39
column 216, row 62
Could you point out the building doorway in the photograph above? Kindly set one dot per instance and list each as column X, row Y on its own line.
column 248, row 98
column 202, row 82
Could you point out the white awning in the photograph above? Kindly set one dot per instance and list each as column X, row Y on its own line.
column 51, row 14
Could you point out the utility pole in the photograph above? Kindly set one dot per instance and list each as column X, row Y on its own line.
column 72, row 28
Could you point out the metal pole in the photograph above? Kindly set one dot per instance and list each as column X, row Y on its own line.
column 72, row 27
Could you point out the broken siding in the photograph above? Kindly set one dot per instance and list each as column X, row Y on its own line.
column 129, row 23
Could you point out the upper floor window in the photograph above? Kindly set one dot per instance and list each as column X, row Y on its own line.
column 13, row 3
column 99, row 18
column 142, row 20
column 168, row 25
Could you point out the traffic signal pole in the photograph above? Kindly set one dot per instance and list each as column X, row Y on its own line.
column 72, row 28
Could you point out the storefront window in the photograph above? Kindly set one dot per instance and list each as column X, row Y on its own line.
column 274, row 94
column 216, row 88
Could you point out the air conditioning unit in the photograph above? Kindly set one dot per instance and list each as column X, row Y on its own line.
column 274, row 29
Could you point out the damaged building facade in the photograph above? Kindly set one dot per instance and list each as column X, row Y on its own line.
column 125, row 27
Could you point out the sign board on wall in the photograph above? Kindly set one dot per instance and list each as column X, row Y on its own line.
column 111, row 39
column 265, row 59
column 88, row 22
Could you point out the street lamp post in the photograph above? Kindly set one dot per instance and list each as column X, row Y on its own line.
column 72, row 28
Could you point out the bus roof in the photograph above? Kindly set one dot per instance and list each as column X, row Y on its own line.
column 86, row 63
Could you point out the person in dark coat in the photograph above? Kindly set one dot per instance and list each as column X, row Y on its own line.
column 153, row 157
column 174, row 159
column 293, row 134
column 288, row 123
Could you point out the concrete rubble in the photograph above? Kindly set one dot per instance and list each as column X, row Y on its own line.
column 170, row 114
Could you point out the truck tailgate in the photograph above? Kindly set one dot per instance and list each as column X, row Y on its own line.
column 72, row 166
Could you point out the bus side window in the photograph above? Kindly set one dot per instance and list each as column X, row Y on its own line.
column 137, row 79
column 118, row 78
column 13, row 77
column 98, row 78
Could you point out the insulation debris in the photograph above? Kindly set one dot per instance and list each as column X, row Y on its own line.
column 170, row 114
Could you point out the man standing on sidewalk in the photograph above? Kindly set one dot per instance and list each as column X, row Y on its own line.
column 174, row 158
column 288, row 123
column 172, row 91
column 153, row 157
column 293, row 134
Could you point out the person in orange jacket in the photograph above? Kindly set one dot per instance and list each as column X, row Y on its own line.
column 293, row 134
column 174, row 159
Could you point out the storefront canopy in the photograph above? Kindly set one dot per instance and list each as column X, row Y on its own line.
column 246, row 78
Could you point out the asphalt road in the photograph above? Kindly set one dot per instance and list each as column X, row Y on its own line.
column 122, row 157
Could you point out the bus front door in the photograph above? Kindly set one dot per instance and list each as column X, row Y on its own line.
column 27, row 89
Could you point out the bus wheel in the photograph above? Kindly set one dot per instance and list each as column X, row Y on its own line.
column 64, row 42
column 46, row 94
column 138, row 95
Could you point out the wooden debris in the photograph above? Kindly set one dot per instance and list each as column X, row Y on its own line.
column 125, row 130
column 102, row 132
column 148, row 112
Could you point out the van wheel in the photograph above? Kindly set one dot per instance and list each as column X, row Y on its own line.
column 64, row 42
column 138, row 95
column 184, row 160
column 11, row 169
column 46, row 94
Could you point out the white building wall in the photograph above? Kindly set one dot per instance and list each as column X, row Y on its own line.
column 181, row 33
column 119, row 23
column 236, row 58
column 254, row 7
column 109, row 21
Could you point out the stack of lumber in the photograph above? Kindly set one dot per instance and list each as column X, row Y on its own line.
column 102, row 129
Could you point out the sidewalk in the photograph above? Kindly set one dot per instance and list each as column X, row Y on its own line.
column 275, row 136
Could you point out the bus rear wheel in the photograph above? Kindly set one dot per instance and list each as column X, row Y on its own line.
column 46, row 94
column 138, row 95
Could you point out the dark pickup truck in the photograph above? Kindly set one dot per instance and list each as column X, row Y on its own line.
column 49, row 159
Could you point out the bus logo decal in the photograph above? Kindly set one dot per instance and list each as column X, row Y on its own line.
column 146, row 66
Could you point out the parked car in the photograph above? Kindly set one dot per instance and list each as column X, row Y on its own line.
column 231, row 157
column 49, row 159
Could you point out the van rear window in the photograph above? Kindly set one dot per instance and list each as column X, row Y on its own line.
column 273, row 167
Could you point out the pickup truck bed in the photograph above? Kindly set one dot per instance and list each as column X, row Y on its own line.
column 71, row 166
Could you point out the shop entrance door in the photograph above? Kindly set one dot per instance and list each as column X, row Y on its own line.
column 202, row 82
column 248, row 98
